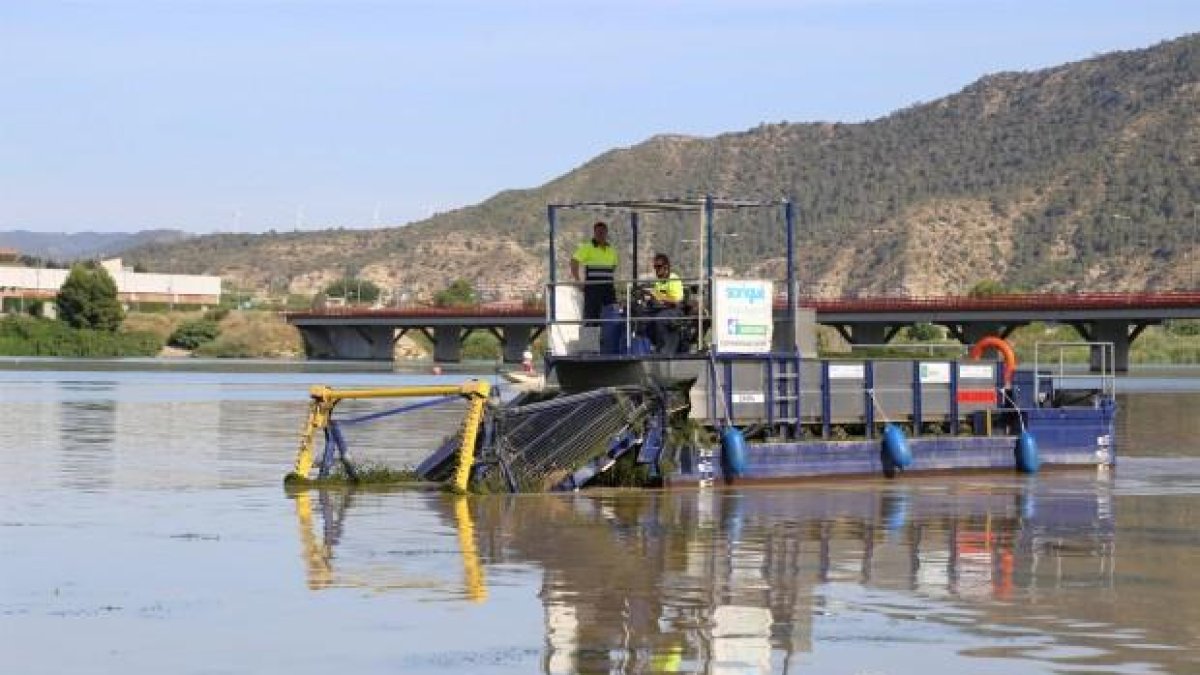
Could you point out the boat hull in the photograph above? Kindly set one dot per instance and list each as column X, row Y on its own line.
column 787, row 461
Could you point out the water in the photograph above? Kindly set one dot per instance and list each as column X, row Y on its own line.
column 144, row 529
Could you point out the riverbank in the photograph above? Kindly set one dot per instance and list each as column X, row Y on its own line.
column 232, row 334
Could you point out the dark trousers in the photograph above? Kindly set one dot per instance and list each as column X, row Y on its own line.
column 595, row 298
column 663, row 332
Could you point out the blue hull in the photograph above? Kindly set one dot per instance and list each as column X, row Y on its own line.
column 1067, row 437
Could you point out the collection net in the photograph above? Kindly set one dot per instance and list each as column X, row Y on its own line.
column 393, row 434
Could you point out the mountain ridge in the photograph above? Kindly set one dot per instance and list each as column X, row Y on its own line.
column 1080, row 176
column 65, row 247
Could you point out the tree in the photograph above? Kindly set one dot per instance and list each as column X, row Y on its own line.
column 88, row 299
column 354, row 290
column 460, row 293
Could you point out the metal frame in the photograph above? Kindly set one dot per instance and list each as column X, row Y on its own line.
column 707, row 206
column 1107, row 374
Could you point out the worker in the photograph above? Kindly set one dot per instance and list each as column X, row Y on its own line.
column 664, row 301
column 599, row 262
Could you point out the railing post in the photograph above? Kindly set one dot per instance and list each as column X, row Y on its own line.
column 550, row 301
column 826, row 403
column 917, row 412
column 869, row 402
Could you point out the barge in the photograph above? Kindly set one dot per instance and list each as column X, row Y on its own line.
column 739, row 393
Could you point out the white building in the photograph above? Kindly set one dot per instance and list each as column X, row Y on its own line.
column 132, row 287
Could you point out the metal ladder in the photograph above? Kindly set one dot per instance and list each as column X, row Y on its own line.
column 785, row 390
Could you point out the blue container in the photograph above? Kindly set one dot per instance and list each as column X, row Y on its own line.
column 612, row 330
column 641, row 346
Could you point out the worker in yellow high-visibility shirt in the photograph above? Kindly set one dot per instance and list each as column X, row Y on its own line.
column 599, row 262
column 664, row 302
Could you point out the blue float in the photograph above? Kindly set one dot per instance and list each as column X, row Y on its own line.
column 733, row 452
column 1027, row 453
column 895, row 446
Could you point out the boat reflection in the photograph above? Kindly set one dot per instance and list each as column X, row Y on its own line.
column 734, row 580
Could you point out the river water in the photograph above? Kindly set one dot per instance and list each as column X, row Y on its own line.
column 144, row 529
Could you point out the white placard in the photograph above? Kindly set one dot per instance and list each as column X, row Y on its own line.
column 743, row 316
column 748, row 398
column 935, row 372
column 847, row 371
column 976, row 371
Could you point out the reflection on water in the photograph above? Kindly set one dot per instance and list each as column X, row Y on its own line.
column 86, row 429
column 143, row 523
column 998, row 572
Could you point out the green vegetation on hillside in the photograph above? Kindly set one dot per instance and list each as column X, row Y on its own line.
column 1082, row 176
column 353, row 291
column 460, row 293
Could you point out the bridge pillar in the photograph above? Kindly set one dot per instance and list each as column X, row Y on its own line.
column 447, row 344
column 1115, row 331
column 514, row 340
column 358, row 343
column 317, row 342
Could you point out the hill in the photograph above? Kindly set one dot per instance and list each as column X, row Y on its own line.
column 68, row 246
column 1084, row 176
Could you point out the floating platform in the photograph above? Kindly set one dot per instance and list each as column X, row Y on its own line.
column 738, row 393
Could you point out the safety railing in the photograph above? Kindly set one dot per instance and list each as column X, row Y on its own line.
column 1101, row 357
column 635, row 313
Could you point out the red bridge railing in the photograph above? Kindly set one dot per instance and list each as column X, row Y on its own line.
column 1007, row 302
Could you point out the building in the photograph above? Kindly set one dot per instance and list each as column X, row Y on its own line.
column 37, row 283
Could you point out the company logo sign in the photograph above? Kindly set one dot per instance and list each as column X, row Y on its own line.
column 748, row 294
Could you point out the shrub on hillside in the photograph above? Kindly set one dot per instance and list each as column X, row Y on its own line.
column 250, row 334
column 192, row 334
column 460, row 293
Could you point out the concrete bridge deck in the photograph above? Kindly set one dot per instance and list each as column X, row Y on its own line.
column 1119, row 318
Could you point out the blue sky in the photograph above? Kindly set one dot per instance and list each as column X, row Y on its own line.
column 250, row 114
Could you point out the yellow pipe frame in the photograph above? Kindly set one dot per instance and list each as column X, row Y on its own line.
column 473, row 580
column 324, row 399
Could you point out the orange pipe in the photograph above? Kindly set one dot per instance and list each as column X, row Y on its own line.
column 1006, row 351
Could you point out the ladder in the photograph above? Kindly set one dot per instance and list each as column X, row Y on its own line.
column 784, row 376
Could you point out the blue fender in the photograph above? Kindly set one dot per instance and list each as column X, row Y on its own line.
column 733, row 452
column 1026, row 453
column 895, row 447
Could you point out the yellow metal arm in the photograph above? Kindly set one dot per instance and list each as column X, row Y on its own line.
column 324, row 399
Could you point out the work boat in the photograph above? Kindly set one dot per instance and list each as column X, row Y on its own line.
column 737, row 393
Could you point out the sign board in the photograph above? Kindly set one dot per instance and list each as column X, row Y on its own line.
column 743, row 316
column 975, row 371
column 740, row 397
column 935, row 372
column 847, row 371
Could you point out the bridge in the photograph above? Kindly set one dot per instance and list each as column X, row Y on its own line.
column 1119, row 318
